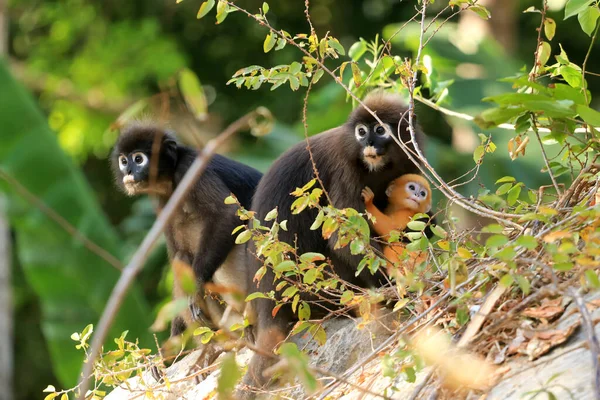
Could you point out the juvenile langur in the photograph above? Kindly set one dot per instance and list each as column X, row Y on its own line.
column 147, row 159
column 407, row 196
column 358, row 153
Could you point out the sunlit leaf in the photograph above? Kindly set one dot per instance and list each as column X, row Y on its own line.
column 574, row 7
column 549, row 28
column 588, row 19
column 496, row 241
column 589, row 115
column 205, row 8
column 270, row 41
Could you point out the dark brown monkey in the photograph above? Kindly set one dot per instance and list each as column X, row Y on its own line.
column 200, row 232
column 349, row 157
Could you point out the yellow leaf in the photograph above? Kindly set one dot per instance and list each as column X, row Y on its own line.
column 444, row 245
column 463, row 252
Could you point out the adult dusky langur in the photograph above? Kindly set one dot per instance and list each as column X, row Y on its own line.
column 349, row 157
column 147, row 159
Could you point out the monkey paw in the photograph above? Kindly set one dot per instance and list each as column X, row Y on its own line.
column 367, row 195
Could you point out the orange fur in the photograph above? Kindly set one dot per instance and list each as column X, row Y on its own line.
column 402, row 207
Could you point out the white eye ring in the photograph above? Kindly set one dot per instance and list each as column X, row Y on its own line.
column 140, row 158
column 122, row 163
column 358, row 129
column 385, row 127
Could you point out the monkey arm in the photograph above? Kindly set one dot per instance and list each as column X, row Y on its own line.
column 383, row 224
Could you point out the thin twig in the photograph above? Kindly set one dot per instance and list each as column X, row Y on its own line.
column 137, row 261
column 60, row 220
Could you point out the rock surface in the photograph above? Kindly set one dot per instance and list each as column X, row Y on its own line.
column 566, row 371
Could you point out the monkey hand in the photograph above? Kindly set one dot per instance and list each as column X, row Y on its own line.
column 367, row 195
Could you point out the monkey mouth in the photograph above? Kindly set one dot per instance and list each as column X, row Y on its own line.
column 412, row 203
column 372, row 160
column 131, row 186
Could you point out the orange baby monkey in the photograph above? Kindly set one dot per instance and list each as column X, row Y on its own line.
column 407, row 195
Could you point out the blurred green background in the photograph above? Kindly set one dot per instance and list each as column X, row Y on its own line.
column 70, row 68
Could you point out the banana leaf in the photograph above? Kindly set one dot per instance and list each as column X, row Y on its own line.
column 73, row 283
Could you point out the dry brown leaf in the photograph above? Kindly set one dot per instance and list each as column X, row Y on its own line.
column 554, row 236
column 549, row 309
column 537, row 343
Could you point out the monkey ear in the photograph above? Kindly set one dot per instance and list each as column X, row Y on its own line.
column 389, row 190
column 170, row 149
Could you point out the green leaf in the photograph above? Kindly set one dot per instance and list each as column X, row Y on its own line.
column 229, row 376
column 503, row 189
column 205, row 8
column 592, row 278
column 416, row 225
column 589, row 115
column 481, row 11
column 332, row 42
column 265, row 8
column 571, row 75
column 230, row 200
column 271, row 215
column 304, row 311
column 574, row 7
column 193, row 93
column 496, row 241
column 588, row 19
column 312, row 257
column 507, row 280
column 285, row 266
column 478, row 154
column 527, row 241
column 524, row 284
column 346, row 296
column 357, row 50
column 310, row 276
column 298, row 363
column 270, row 41
column 513, row 195
column 289, row 292
column 318, row 221
column 256, row 295
column 58, row 268
column 318, row 74
column 549, row 28
column 506, row 179
column 243, row 237
column 493, row 228
column 222, row 11
column 438, row 231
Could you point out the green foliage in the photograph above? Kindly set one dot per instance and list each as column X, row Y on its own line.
column 72, row 283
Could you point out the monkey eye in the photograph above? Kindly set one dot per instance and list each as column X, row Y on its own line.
column 140, row 159
column 423, row 193
column 380, row 130
column 411, row 186
column 123, row 160
column 360, row 131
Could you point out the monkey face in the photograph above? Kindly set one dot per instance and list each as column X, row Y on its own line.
column 135, row 169
column 374, row 140
column 411, row 192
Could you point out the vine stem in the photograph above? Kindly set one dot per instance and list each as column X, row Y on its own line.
column 137, row 261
